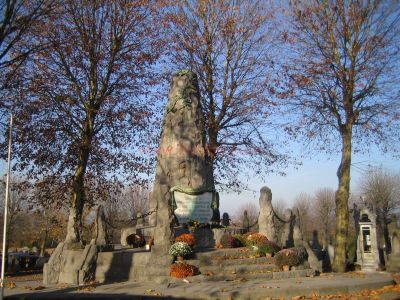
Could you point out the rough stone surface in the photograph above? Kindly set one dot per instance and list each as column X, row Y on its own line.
column 312, row 258
column 287, row 231
column 71, row 236
column 266, row 217
column 297, row 235
column 100, row 227
column 51, row 270
column 182, row 159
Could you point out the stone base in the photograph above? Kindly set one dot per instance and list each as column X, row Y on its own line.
column 70, row 266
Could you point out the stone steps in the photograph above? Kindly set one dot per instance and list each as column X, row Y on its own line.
column 234, row 264
column 249, row 276
column 239, row 269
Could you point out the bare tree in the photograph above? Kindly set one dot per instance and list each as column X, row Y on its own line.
column 303, row 203
column 18, row 18
column 248, row 213
column 381, row 190
column 226, row 43
column 342, row 71
column 18, row 196
column 82, row 111
column 324, row 209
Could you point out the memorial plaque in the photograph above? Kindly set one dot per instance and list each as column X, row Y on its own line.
column 193, row 207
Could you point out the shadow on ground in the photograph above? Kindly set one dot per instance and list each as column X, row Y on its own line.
column 77, row 293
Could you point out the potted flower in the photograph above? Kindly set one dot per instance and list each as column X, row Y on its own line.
column 186, row 238
column 180, row 250
column 183, row 270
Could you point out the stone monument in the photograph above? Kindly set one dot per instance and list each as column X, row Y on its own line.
column 184, row 179
column 101, row 237
column 225, row 219
column 367, row 243
column 266, row 217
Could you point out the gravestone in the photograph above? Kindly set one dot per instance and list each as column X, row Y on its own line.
column 225, row 219
column 266, row 217
column 183, row 166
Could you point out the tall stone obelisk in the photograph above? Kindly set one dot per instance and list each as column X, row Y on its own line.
column 182, row 158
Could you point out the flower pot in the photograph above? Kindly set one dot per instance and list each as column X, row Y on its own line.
column 180, row 258
column 286, row 268
column 268, row 255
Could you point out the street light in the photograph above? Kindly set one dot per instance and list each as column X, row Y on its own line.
column 3, row 261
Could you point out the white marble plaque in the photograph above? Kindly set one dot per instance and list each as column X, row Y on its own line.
column 193, row 207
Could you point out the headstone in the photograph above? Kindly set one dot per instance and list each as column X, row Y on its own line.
column 266, row 217
column 246, row 221
column 225, row 219
column 100, row 227
column 182, row 160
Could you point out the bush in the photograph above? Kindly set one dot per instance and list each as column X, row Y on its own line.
column 229, row 241
column 263, row 247
column 135, row 240
column 187, row 238
column 180, row 249
column 255, row 239
column 182, row 270
column 291, row 256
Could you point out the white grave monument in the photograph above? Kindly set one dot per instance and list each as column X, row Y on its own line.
column 367, row 243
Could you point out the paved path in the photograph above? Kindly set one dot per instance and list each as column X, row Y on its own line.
column 238, row 289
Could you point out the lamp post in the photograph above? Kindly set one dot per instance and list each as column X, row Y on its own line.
column 3, row 260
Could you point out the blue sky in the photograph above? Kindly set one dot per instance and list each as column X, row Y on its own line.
column 317, row 172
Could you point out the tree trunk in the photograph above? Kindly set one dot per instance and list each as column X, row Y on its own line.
column 78, row 188
column 43, row 244
column 342, row 199
column 77, row 199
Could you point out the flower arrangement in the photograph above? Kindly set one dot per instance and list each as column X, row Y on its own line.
column 264, row 247
column 182, row 270
column 247, row 234
column 194, row 223
column 290, row 257
column 135, row 240
column 255, row 239
column 229, row 241
column 187, row 238
column 241, row 239
column 180, row 249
